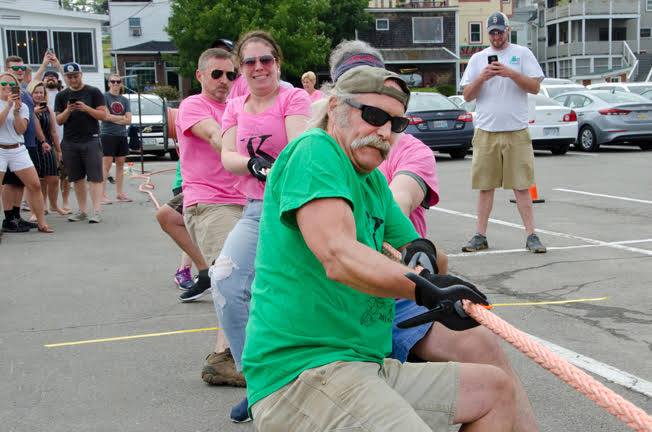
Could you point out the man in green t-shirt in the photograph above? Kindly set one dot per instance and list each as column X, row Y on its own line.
column 323, row 296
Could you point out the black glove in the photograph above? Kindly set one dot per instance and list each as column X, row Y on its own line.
column 256, row 165
column 444, row 301
column 421, row 252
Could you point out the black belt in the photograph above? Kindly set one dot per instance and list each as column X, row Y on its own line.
column 10, row 146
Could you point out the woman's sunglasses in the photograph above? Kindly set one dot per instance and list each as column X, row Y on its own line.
column 264, row 60
column 5, row 84
column 217, row 74
column 115, row 81
column 17, row 68
column 377, row 117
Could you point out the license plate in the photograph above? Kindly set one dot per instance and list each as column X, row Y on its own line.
column 149, row 141
column 439, row 124
column 550, row 131
column 643, row 116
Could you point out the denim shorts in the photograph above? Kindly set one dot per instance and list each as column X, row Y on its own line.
column 403, row 340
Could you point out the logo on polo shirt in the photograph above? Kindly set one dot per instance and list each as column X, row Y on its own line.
column 515, row 60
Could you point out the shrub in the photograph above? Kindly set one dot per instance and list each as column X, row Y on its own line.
column 166, row 92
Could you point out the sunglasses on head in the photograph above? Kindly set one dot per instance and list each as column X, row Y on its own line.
column 115, row 81
column 377, row 117
column 9, row 83
column 217, row 74
column 264, row 60
column 17, row 68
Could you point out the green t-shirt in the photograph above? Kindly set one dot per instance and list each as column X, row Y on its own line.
column 178, row 181
column 299, row 318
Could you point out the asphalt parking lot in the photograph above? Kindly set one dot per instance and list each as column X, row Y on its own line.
column 102, row 283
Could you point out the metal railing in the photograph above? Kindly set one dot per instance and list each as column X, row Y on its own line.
column 631, row 60
column 592, row 7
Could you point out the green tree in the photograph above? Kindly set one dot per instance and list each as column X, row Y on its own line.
column 91, row 6
column 306, row 30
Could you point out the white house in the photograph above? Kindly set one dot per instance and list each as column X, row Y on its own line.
column 29, row 27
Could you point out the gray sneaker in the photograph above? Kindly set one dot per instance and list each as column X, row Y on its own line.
column 533, row 244
column 477, row 242
column 77, row 216
column 96, row 218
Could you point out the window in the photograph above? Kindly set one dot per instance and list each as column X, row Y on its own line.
column 382, row 24
column 428, row 30
column 649, row 5
column 30, row 45
column 617, row 34
column 513, row 37
column 645, row 32
column 74, row 46
column 475, row 33
column 134, row 26
column 140, row 75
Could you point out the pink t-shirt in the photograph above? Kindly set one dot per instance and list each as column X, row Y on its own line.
column 263, row 133
column 409, row 155
column 239, row 88
column 315, row 96
column 204, row 178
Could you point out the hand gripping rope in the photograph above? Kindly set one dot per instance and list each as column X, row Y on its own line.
column 605, row 398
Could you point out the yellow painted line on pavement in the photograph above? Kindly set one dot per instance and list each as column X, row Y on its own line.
column 541, row 303
column 139, row 336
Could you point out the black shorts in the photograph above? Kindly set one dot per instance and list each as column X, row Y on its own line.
column 114, row 146
column 83, row 160
column 12, row 179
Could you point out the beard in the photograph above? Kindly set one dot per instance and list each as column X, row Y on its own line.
column 372, row 141
column 51, row 84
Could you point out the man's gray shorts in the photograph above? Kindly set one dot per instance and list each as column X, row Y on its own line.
column 83, row 159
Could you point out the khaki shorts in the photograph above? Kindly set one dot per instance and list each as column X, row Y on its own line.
column 356, row 396
column 502, row 159
column 209, row 224
column 177, row 203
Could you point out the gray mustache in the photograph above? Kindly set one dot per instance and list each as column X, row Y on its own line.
column 372, row 141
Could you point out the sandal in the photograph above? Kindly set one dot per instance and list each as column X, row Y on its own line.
column 45, row 229
column 123, row 198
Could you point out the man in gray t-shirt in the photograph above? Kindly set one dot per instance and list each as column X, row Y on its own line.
column 113, row 134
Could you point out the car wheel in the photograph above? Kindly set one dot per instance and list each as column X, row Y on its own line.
column 174, row 155
column 587, row 140
column 562, row 149
column 457, row 154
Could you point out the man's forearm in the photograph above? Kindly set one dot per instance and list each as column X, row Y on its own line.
column 97, row 114
column 530, row 85
column 62, row 117
column 471, row 91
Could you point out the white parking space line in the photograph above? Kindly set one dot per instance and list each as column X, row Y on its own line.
column 574, row 153
column 507, row 251
column 603, row 195
column 552, row 233
column 604, row 370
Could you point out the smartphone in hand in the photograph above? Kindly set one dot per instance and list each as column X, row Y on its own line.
column 43, row 104
column 15, row 90
column 72, row 100
column 492, row 58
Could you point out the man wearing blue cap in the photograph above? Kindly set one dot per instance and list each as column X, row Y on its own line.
column 79, row 109
column 499, row 79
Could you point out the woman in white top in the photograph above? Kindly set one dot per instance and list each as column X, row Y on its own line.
column 14, row 117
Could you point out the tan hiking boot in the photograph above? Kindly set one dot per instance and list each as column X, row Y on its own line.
column 220, row 370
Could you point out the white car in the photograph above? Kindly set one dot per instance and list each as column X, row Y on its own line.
column 552, row 90
column 154, row 124
column 552, row 126
column 631, row 87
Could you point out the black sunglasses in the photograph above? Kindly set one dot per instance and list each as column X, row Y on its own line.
column 17, row 68
column 264, row 60
column 377, row 117
column 217, row 74
column 115, row 81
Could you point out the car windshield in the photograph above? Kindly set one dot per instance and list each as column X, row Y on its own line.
column 620, row 97
column 429, row 102
column 648, row 94
column 554, row 91
column 540, row 100
column 640, row 89
column 150, row 106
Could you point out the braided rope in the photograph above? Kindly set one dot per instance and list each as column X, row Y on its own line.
column 604, row 397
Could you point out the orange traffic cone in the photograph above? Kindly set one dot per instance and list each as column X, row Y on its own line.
column 534, row 194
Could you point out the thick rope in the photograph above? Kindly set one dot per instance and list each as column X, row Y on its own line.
column 604, row 397
column 147, row 187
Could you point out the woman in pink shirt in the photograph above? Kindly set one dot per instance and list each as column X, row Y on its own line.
column 256, row 128
column 309, row 80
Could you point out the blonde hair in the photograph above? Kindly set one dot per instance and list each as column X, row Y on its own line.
column 11, row 75
column 31, row 87
column 309, row 75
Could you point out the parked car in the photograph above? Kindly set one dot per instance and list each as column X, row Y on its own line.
column 631, row 87
column 556, row 81
column 610, row 117
column 154, row 125
column 647, row 94
column 552, row 90
column 440, row 124
column 552, row 126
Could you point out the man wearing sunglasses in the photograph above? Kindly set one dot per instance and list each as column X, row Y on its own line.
column 322, row 307
column 12, row 194
column 499, row 78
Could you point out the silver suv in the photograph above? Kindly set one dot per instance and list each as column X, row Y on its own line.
column 154, row 124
